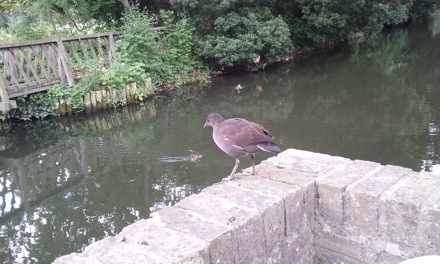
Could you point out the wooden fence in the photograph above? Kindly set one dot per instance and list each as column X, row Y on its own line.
column 30, row 67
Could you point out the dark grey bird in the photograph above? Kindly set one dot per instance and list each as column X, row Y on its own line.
column 239, row 138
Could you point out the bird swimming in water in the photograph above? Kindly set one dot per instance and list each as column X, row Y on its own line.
column 239, row 138
column 238, row 88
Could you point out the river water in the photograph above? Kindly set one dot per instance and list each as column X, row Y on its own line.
column 67, row 182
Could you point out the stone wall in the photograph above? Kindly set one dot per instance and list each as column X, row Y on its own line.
column 302, row 207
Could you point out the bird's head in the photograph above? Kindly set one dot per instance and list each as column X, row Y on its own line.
column 213, row 119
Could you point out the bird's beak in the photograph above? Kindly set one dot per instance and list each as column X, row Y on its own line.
column 205, row 125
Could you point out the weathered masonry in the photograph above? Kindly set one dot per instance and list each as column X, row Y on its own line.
column 302, row 207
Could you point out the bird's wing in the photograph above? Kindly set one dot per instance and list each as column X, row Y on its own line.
column 241, row 132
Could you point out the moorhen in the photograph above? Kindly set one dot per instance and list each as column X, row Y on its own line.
column 239, row 138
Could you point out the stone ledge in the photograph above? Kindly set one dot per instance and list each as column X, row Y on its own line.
column 302, row 207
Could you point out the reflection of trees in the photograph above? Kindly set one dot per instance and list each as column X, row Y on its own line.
column 90, row 185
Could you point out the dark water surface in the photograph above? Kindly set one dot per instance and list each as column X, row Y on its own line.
column 66, row 183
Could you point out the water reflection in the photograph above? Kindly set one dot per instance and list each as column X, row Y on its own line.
column 432, row 161
column 65, row 183
column 87, row 185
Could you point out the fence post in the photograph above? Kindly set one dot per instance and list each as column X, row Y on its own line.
column 6, row 104
column 111, row 49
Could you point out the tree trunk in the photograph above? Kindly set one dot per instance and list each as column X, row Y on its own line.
column 49, row 12
column 126, row 4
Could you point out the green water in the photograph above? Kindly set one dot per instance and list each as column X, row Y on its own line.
column 66, row 183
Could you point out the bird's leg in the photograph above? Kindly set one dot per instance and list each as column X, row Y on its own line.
column 253, row 164
column 231, row 176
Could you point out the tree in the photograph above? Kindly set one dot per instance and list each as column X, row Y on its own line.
column 328, row 22
column 237, row 33
column 126, row 4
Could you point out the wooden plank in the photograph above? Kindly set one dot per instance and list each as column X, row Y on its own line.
column 40, row 62
column 100, row 40
column 9, row 64
column 36, row 89
column 4, row 107
column 111, row 49
column 84, row 51
column 54, row 40
column 92, row 50
column 65, row 66
column 29, row 66
column 3, row 90
column 25, row 43
column 50, row 52
column 20, row 58
column 73, row 47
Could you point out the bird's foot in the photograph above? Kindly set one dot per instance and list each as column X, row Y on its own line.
column 248, row 172
column 227, row 179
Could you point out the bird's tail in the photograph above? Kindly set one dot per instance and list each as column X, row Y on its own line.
column 270, row 147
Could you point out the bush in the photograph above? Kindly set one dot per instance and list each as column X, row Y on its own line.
column 178, row 44
column 328, row 22
column 162, row 57
column 138, row 44
column 118, row 75
column 237, row 33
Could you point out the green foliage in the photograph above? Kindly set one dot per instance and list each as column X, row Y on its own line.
column 83, row 14
column 138, row 94
column 233, row 33
column 178, row 45
column 74, row 94
column 120, row 74
column 5, row 37
column 29, row 20
column 117, row 101
column 23, row 26
column 138, row 42
column 423, row 7
column 163, row 57
column 37, row 105
column 327, row 22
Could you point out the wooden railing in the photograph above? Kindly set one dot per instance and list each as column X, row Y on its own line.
column 30, row 67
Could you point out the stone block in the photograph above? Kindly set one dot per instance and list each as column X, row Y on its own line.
column 290, row 250
column 331, row 189
column 247, row 223
column 307, row 162
column 292, row 196
column 288, row 176
column 332, row 248
column 221, row 239
column 307, row 184
column 143, row 242
column 429, row 224
column 271, row 209
column 110, row 250
column 317, row 157
column 398, row 209
column 176, row 247
column 388, row 258
column 361, row 207
column 325, row 256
